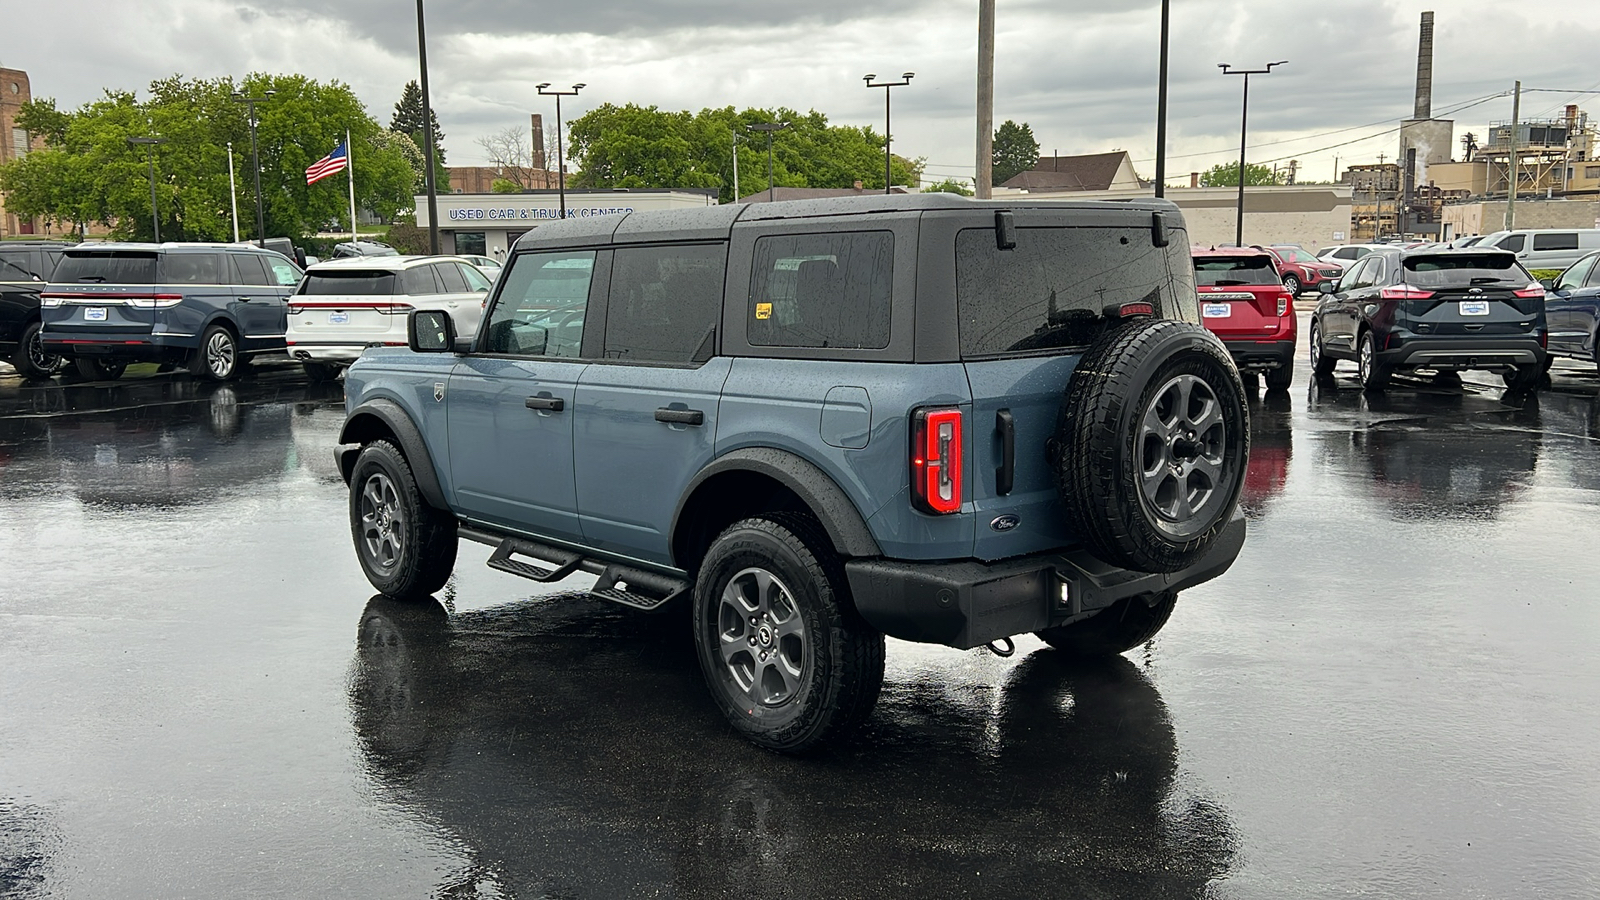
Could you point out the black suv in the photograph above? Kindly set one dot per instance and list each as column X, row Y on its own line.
column 1437, row 309
column 25, row 266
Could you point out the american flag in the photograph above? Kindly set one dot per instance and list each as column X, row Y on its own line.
column 332, row 164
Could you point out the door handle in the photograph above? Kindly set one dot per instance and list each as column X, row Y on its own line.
column 245, row 299
column 553, row 404
column 1006, row 424
column 680, row 416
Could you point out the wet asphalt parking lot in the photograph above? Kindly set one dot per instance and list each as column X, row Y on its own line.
column 1390, row 694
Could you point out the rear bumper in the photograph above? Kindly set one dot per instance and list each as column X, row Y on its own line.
column 1464, row 353
column 967, row 603
column 330, row 351
column 131, row 345
column 1255, row 355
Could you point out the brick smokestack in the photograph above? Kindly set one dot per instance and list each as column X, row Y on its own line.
column 537, row 158
column 1424, row 108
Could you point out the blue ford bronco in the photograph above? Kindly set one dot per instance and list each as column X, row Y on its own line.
column 804, row 426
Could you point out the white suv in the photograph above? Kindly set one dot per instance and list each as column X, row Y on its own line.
column 344, row 306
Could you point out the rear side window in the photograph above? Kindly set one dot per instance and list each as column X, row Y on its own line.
column 540, row 308
column 107, row 268
column 348, row 283
column 1561, row 240
column 1052, row 288
column 1465, row 270
column 420, row 281
column 1234, row 270
column 664, row 303
column 191, row 268
column 16, row 266
column 822, row 290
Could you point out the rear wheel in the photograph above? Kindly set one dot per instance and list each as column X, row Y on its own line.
column 1291, row 284
column 1278, row 379
column 1374, row 375
column 100, row 369
column 406, row 547
column 31, row 361
column 218, row 358
column 317, row 373
column 1523, row 378
column 1118, row 628
column 787, row 658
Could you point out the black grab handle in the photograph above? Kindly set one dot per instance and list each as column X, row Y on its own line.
column 554, row 404
column 680, row 416
column 1006, row 424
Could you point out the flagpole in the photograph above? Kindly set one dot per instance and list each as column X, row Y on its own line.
column 233, row 194
column 350, row 170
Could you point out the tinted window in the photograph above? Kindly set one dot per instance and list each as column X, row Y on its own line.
column 16, row 265
column 664, row 301
column 191, row 268
column 107, row 268
column 1351, row 278
column 449, row 275
column 1465, row 270
column 420, row 281
column 348, row 283
column 1573, row 277
column 822, row 290
column 476, row 281
column 1295, row 254
column 1512, row 242
column 1051, row 290
column 250, row 269
column 1347, row 253
column 1561, row 240
column 540, row 308
column 471, row 243
column 1234, row 270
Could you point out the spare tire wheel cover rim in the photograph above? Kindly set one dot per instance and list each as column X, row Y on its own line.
column 1182, row 456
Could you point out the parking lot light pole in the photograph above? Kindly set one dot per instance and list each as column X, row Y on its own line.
column 561, row 154
column 150, row 144
column 887, row 85
column 255, row 159
column 769, row 128
column 1244, row 115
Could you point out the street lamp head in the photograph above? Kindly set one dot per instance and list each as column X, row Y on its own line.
column 1278, row 63
column 271, row 91
column 541, row 87
column 908, row 76
column 579, row 86
column 237, row 95
column 869, row 78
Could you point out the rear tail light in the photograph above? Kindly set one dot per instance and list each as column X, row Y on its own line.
column 155, row 301
column 1285, row 302
column 936, row 461
column 1404, row 292
column 1533, row 290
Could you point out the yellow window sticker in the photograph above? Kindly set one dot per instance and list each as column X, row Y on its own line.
column 763, row 310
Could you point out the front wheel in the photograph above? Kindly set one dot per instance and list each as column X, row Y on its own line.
column 1321, row 363
column 787, row 658
column 1292, row 285
column 1118, row 628
column 100, row 369
column 406, row 547
column 32, row 362
column 218, row 358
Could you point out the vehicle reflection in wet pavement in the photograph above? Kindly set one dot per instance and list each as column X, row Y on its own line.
column 1387, row 694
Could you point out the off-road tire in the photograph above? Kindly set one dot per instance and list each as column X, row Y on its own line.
column 100, row 369
column 1278, row 379
column 421, row 560
column 1374, row 375
column 1322, row 364
column 30, row 360
column 218, row 357
column 1118, row 628
column 1101, row 452
column 841, row 669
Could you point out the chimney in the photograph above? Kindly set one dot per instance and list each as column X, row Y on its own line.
column 1424, row 108
column 1194, row 179
column 537, row 156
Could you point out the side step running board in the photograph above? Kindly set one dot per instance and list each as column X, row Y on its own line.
column 618, row 583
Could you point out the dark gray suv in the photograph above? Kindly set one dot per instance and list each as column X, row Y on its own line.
column 25, row 266
column 803, row 426
column 206, row 306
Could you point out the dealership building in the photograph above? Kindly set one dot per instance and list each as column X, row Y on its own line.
column 489, row 224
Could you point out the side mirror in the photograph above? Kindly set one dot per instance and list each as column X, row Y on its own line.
column 430, row 331
column 1327, row 287
column 1548, row 284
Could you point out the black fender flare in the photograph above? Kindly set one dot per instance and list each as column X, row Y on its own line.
column 383, row 417
column 845, row 527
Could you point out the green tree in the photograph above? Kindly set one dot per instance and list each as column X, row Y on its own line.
column 408, row 120
column 1015, row 151
column 504, row 186
column 1227, row 175
column 948, row 186
column 406, row 147
column 88, row 172
column 647, row 147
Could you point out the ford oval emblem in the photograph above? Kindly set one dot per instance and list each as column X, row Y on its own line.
column 1005, row 523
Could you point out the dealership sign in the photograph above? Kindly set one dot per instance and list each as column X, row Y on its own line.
column 536, row 212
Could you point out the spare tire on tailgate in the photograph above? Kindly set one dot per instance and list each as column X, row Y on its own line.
column 1152, row 444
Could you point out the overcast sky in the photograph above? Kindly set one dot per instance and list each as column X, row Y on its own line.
column 1083, row 74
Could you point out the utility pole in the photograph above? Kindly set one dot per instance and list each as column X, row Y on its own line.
column 1161, row 110
column 768, row 128
column 736, row 195
column 1511, row 169
column 985, row 180
column 427, row 133
column 233, row 194
column 150, row 145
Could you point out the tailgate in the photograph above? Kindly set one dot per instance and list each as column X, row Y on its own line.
column 101, row 309
column 1239, row 311
column 1480, row 312
column 335, row 318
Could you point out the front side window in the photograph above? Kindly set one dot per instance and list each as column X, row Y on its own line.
column 1513, row 242
column 1572, row 278
column 15, row 266
column 822, row 290
column 664, row 301
column 1052, row 289
column 541, row 305
column 284, row 273
column 476, row 281
column 1352, row 277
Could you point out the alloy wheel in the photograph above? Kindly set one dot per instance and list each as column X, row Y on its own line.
column 1366, row 359
column 42, row 361
column 1181, row 439
column 382, row 521
column 762, row 637
column 221, row 355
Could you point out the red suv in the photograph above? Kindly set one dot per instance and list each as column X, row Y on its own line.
column 1299, row 270
column 1244, row 303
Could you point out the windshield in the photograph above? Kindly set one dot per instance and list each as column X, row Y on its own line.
column 106, row 268
column 1295, row 254
column 349, row 283
column 1465, row 270
column 1215, row 271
